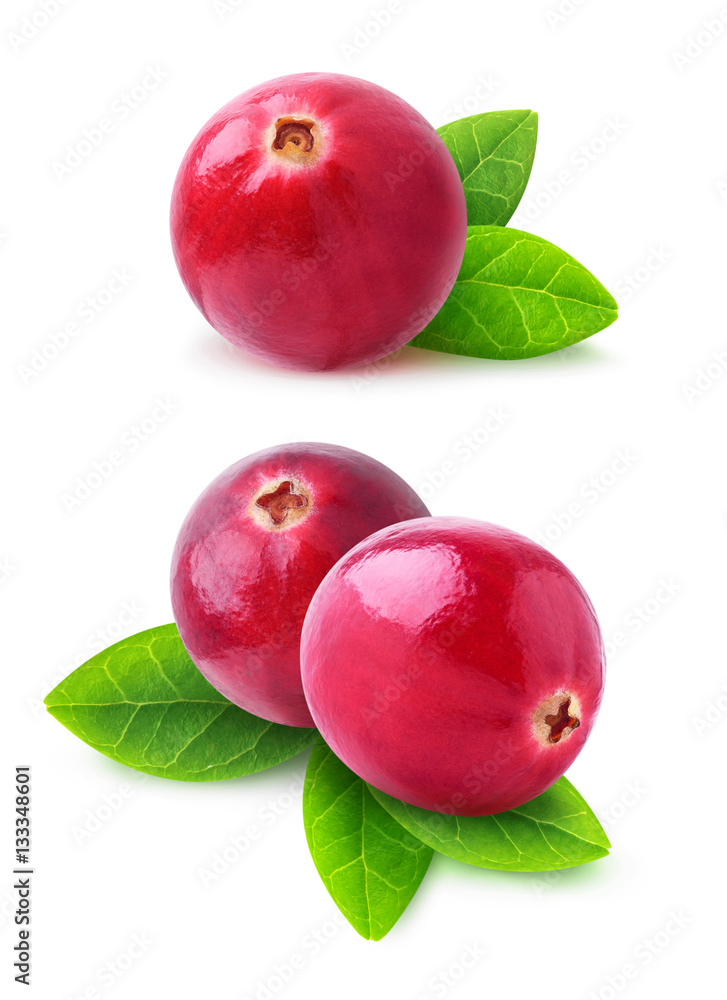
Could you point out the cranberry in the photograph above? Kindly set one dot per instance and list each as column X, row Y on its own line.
column 251, row 553
column 318, row 221
column 453, row 664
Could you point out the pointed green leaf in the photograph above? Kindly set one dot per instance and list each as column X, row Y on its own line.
column 494, row 155
column 143, row 703
column 555, row 830
column 517, row 296
column 370, row 865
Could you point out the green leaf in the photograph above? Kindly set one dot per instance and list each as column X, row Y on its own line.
column 517, row 296
column 494, row 155
column 555, row 830
column 143, row 703
column 370, row 865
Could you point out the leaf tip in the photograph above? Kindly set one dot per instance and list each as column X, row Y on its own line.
column 53, row 698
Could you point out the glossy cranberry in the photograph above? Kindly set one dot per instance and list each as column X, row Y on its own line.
column 318, row 221
column 453, row 664
column 251, row 553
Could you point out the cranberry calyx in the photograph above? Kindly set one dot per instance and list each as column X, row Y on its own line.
column 561, row 721
column 299, row 133
column 281, row 501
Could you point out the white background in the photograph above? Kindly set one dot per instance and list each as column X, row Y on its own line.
column 651, row 202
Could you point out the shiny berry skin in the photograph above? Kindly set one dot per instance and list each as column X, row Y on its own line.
column 453, row 664
column 252, row 551
column 318, row 221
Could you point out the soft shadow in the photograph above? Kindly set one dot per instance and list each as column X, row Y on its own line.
column 568, row 360
column 579, row 356
column 409, row 361
column 561, row 880
column 280, row 776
